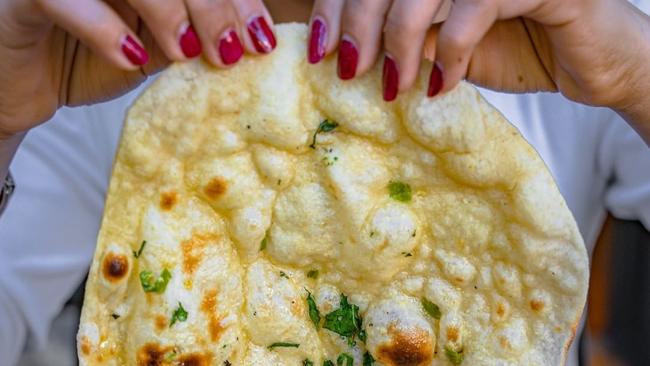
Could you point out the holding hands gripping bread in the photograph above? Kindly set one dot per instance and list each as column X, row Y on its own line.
column 591, row 51
column 71, row 52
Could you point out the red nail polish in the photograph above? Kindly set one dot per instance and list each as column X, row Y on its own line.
column 190, row 43
column 134, row 52
column 317, row 41
column 230, row 48
column 348, row 59
column 390, row 79
column 261, row 34
column 435, row 81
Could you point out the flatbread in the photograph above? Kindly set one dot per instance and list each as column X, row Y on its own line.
column 291, row 218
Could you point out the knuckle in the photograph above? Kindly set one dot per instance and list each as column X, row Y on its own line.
column 403, row 28
column 456, row 40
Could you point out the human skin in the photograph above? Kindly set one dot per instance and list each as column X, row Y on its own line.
column 59, row 52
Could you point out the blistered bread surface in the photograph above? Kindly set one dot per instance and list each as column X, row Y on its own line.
column 217, row 171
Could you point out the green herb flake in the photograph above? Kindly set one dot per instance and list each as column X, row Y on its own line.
column 284, row 275
column 328, row 363
column 368, row 360
column 407, row 254
column 344, row 321
column 399, row 191
column 345, row 359
column 139, row 252
column 264, row 242
column 432, row 309
column 227, row 363
column 313, row 274
column 314, row 314
column 325, row 126
column 170, row 356
column 307, row 362
column 283, row 344
column 115, row 316
column 455, row 357
column 158, row 285
column 180, row 315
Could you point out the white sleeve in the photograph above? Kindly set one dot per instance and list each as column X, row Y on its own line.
column 624, row 160
column 48, row 232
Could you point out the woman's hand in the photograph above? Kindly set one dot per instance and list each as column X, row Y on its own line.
column 594, row 52
column 71, row 52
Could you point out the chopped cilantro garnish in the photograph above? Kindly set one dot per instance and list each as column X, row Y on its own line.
column 325, row 126
column 180, row 315
column 139, row 252
column 282, row 274
column 115, row 316
column 264, row 242
column 344, row 321
column 328, row 363
column 345, row 359
column 432, row 309
column 158, row 285
column 455, row 357
column 368, row 360
column 407, row 254
column 399, row 191
column 313, row 274
column 283, row 344
column 314, row 314
column 307, row 362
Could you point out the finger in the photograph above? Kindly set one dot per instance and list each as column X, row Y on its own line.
column 257, row 25
column 217, row 25
column 168, row 22
column 466, row 25
column 325, row 29
column 361, row 24
column 100, row 28
column 404, row 33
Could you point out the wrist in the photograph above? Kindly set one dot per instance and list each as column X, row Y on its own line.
column 634, row 104
column 8, row 146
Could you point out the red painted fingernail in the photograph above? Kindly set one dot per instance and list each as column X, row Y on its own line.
column 390, row 79
column 134, row 52
column 348, row 59
column 435, row 81
column 230, row 48
column 190, row 43
column 317, row 41
column 261, row 34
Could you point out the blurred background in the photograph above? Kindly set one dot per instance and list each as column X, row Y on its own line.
column 618, row 321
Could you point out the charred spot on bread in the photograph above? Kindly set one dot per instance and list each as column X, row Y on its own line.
column 215, row 188
column 168, row 200
column 406, row 348
column 115, row 266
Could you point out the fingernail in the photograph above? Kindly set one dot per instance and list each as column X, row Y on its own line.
column 261, row 34
column 134, row 52
column 390, row 79
column 317, row 41
column 190, row 43
column 348, row 59
column 435, row 81
column 230, row 48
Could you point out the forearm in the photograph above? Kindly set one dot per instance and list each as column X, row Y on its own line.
column 8, row 147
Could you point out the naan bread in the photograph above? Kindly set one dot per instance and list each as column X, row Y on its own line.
column 419, row 232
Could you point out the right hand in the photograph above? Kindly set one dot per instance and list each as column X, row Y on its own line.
column 71, row 52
